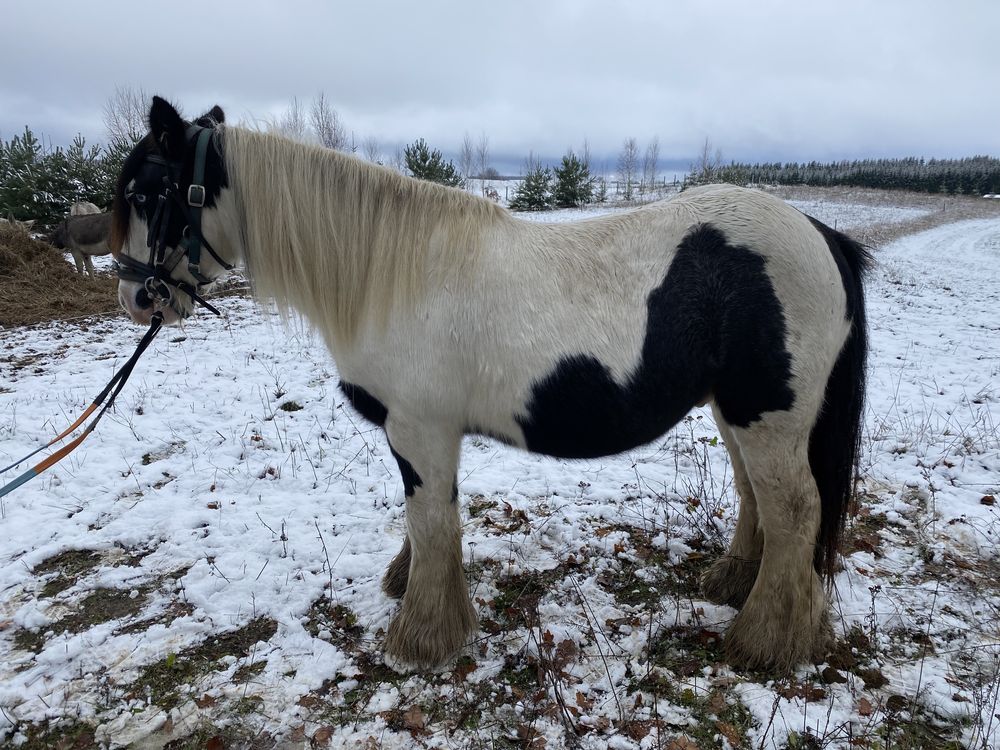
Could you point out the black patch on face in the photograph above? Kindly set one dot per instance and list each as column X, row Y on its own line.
column 145, row 180
column 411, row 480
column 714, row 327
column 365, row 403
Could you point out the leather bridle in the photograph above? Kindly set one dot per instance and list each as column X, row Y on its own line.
column 156, row 274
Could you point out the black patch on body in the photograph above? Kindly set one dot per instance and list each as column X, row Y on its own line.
column 411, row 480
column 376, row 412
column 365, row 403
column 454, row 492
column 714, row 328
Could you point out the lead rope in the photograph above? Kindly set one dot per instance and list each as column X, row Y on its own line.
column 114, row 388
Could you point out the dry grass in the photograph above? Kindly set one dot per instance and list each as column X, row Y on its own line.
column 38, row 285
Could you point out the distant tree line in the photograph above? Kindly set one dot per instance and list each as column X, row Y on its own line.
column 977, row 175
column 41, row 182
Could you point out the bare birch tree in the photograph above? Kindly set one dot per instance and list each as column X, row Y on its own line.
column 628, row 162
column 467, row 157
column 399, row 160
column 291, row 123
column 650, row 162
column 706, row 168
column 326, row 124
column 483, row 155
column 371, row 150
column 125, row 115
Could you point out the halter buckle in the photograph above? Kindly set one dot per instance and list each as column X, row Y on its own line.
column 196, row 196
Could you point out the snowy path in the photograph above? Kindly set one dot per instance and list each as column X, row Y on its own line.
column 231, row 487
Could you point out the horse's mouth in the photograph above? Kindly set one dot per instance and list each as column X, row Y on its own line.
column 140, row 306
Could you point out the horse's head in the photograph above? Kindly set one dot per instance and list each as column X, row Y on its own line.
column 170, row 235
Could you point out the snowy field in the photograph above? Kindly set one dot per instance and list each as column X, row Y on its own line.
column 207, row 565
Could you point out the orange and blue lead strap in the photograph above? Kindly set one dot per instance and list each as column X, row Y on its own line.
column 116, row 385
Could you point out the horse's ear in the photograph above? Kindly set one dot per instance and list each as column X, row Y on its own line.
column 167, row 127
column 217, row 114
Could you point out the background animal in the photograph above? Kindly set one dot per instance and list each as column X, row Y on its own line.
column 83, row 236
column 25, row 225
column 83, row 208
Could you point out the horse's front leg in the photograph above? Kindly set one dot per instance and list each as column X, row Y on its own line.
column 78, row 259
column 436, row 616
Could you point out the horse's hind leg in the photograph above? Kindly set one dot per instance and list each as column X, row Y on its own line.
column 89, row 263
column 437, row 615
column 394, row 580
column 784, row 621
column 730, row 579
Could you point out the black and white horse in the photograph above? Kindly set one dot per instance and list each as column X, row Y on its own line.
column 448, row 316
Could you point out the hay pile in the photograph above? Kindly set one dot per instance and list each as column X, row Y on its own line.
column 37, row 284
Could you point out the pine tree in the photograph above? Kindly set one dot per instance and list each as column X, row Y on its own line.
column 425, row 163
column 535, row 192
column 574, row 185
column 20, row 176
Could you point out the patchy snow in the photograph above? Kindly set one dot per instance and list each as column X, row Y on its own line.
column 232, row 486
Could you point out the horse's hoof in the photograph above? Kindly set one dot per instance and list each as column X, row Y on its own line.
column 773, row 643
column 427, row 643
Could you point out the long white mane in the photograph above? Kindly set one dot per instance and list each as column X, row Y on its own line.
column 342, row 240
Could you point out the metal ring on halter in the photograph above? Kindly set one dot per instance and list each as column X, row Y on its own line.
column 154, row 288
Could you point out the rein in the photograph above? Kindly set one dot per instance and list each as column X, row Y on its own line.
column 156, row 275
column 113, row 388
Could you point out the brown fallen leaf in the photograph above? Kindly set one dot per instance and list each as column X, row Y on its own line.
column 682, row 743
column 414, row 719
column 730, row 733
column 322, row 736
column 205, row 701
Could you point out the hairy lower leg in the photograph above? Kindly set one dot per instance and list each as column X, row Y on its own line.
column 435, row 620
column 729, row 580
column 783, row 624
column 398, row 572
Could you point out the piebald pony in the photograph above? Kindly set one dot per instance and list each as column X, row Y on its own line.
column 448, row 316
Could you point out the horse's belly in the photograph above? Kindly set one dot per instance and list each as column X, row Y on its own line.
column 580, row 411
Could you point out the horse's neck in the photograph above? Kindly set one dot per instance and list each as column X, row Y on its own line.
column 343, row 241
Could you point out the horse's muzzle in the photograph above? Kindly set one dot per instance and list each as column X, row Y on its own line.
column 140, row 306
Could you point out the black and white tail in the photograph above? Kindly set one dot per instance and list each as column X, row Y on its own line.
column 836, row 437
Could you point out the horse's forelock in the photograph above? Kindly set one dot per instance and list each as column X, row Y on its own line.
column 119, row 206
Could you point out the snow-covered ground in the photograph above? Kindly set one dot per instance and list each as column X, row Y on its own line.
column 232, row 491
column 850, row 216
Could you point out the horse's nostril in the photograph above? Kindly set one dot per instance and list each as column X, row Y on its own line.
column 142, row 299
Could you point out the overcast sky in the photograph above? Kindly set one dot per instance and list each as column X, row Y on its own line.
column 761, row 79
